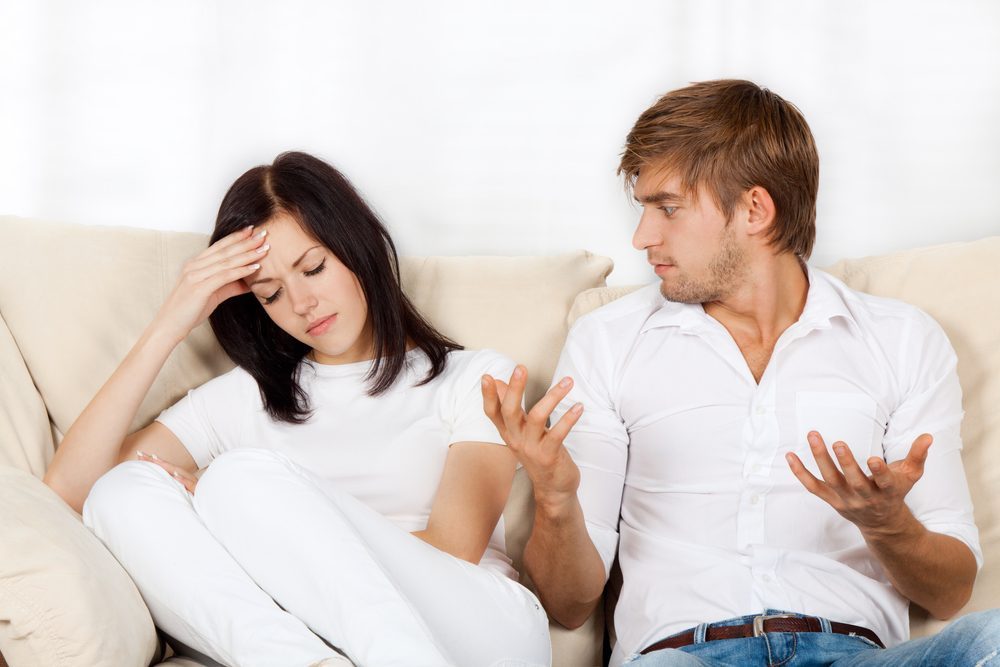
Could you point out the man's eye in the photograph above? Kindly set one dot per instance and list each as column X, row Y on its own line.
column 668, row 210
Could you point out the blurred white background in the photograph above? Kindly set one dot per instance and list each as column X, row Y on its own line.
column 491, row 128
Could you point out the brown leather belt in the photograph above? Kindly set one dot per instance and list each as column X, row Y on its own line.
column 761, row 625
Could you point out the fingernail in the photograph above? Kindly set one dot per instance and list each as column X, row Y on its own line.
column 255, row 266
column 577, row 409
column 247, row 229
column 138, row 453
column 485, row 381
column 518, row 372
column 264, row 248
column 565, row 382
column 261, row 234
column 154, row 457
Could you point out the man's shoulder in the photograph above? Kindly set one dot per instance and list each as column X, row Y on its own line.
column 881, row 316
column 626, row 312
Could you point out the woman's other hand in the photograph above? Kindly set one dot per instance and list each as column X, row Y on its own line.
column 187, row 479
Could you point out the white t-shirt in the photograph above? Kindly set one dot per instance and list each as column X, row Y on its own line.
column 387, row 451
column 682, row 456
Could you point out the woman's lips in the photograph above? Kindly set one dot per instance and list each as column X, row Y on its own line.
column 321, row 326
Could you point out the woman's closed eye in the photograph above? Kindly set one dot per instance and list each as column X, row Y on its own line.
column 268, row 300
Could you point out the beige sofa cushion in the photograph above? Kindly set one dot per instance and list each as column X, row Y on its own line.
column 25, row 438
column 959, row 285
column 64, row 600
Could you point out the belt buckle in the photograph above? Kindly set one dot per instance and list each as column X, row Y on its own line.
column 758, row 622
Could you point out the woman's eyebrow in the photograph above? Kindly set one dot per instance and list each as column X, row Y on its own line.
column 294, row 264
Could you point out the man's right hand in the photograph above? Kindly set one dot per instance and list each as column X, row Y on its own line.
column 554, row 476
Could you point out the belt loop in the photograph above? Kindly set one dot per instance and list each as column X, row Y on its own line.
column 699, row 633
column 824, row 624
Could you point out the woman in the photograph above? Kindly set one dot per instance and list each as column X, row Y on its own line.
column 356, row 487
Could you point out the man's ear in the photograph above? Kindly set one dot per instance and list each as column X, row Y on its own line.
column 760, row 210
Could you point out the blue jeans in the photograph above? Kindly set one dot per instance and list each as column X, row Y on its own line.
column 971, row 641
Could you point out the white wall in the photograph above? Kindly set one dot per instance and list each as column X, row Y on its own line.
column 490, row 127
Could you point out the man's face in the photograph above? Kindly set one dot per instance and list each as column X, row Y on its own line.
column 687, row 239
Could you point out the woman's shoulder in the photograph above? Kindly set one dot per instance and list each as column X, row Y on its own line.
column 236, row 382
column 476, row 363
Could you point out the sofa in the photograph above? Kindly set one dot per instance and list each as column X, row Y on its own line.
column 73, row 299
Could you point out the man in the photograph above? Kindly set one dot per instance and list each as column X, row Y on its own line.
column 748, row 435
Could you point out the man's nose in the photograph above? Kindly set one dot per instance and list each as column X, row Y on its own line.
column 647, row 233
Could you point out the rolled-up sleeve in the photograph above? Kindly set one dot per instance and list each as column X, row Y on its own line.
column 932, row 403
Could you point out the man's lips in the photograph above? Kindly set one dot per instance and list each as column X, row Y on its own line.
column 321, row 325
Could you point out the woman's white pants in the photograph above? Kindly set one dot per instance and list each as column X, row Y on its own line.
column 267, row 560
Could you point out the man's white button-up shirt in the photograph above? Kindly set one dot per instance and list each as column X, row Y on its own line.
column 681, row 454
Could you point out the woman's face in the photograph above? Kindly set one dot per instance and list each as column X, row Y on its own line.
column 306, row 291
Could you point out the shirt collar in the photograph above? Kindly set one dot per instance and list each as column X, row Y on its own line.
column 825, row 300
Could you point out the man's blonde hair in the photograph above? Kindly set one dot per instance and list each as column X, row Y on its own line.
column 729, row 136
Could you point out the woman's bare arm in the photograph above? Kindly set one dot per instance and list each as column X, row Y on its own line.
column 474, row 488
column 96, row 441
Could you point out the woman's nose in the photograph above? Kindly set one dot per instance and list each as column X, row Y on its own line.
column 303, row 300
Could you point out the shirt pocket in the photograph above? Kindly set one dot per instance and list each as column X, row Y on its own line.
column 846, row 416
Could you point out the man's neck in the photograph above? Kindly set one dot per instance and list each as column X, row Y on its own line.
column 769, row 300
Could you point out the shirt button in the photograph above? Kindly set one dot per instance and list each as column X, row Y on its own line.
column 758, row 469
column 754, row 499
column 766, row 578
column 761, row 410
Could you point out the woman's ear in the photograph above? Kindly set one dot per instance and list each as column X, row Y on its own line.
column 760, row 210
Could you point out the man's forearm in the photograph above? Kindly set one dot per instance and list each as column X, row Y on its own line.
column 933, row 570
column 563, row 563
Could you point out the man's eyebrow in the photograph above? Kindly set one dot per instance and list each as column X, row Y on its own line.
column 659, row 198
column 294, row 264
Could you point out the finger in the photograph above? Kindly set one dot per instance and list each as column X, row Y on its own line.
column 855, row 476
column 917, row 456
column 881, row 474
column 252, row 247
column 510, row 407
column 808, row 480
column 188, row 481
column 827, row 468
column 163, row 463
column 538, row 417
column 561, row 428
column 209, row 270
column 491, row 402
column 236, row 242
column 501, row 388
column 232, row 280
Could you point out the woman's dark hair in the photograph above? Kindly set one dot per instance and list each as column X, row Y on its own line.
column 327, row 207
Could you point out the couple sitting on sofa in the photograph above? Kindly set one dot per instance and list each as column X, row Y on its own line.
column 353, row 502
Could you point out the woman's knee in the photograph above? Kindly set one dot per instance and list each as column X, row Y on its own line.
column 129, row 490
column 238, row 478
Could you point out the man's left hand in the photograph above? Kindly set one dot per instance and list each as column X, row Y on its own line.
column 872, row 503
